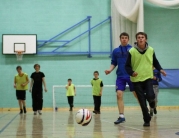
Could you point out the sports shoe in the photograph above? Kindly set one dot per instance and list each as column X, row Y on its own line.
column 39, row 111
column 120, row 120
column 146, row 124
column 151, row 113
column 21, row 111
column 155, row 111
column 98, row 112
column 35, row 113
column 71, row 109
column 95, row 112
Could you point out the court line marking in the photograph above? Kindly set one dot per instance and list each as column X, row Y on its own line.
column 126, row 126
column 8, row 124
column 3, row 116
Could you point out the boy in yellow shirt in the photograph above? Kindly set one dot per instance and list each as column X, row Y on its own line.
column 97, row 87
column 70, row 93
column 20, row 84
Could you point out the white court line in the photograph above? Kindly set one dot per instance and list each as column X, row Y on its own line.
column 126, row 126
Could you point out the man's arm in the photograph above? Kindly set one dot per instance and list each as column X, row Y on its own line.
column 44, row 83
column 101, row 88
column 27, row 81
column 113, row 64
column 75, row 90
column 31, row 84
column 156, row 64
column 14, row 82
column 112, row 67
column 128, row 66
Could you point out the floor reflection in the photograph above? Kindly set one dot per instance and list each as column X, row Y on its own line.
column 37, row 127
column 21, row 129
column 97, row 130
column 70, row 126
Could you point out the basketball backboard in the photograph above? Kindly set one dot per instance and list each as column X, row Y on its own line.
column 19, row 42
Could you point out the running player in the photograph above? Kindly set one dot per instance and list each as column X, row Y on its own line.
column 119, row 57
column 20, row 84
column 37, row 78
column 141, row 59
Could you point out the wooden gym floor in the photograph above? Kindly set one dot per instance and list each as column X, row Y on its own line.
column 61, row 124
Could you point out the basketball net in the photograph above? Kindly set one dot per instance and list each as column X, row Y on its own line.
column 19, row 55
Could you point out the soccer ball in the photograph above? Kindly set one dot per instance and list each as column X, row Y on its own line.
column 83, row 117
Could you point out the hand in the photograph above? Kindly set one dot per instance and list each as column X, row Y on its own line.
column 14, row 86
column 23, row 84
column 30, row 90
column 134, row 74
column 66, row 87
column 163, row 72
column 45, row 89
column 100, row 93
column 107, row 72
column 154, row 78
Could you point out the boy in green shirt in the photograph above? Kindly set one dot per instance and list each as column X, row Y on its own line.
column 139, row 66
column 20, row 84
column 70, row 93
column 97, row 87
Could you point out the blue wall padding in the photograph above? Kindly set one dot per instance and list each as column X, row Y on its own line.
column 171, row 80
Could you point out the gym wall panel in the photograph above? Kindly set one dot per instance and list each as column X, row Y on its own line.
column 46, row 19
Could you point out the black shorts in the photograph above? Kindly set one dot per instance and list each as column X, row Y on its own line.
column 21, row 94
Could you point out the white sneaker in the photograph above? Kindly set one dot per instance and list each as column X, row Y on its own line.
column 39, row 111
column 35, row 113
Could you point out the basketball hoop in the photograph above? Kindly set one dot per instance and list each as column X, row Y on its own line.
column 19, row 55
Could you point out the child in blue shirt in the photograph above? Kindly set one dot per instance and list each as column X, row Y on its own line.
column 156, row 79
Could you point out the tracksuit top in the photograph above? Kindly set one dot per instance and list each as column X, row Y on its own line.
column 119, row 57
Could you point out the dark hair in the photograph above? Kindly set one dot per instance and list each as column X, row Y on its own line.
column 18, row 67
column 69, row 79
column 141, row 33
column 124, row 34
column 36, row 65
column 96, row 72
